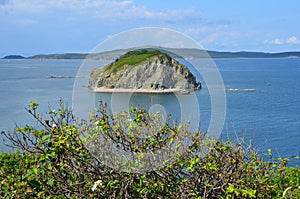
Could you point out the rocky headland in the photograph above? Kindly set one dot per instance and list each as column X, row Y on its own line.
column 143, row 71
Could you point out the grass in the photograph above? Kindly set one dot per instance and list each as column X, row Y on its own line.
column 133, row 58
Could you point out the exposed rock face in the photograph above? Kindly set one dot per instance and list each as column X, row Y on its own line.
column 158, row 72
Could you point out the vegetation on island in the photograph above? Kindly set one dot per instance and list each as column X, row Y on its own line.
column 132, row 58
column 53, row 160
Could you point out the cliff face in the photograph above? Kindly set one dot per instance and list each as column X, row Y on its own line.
column 158, row 72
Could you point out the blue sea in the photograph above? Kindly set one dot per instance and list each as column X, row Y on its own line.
column 262, row 98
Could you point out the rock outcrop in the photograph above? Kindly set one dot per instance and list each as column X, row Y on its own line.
column 157, row 72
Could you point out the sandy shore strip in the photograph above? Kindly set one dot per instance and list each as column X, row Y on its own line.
column 146, row 91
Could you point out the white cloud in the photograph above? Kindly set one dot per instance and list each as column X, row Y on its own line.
column 293, row 40
column 99, row 9
column 19, row 6
column 276, row 41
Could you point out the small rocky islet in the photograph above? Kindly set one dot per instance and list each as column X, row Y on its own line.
column 145, row 71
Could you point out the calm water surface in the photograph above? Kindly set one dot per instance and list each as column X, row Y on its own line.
column 270, row 116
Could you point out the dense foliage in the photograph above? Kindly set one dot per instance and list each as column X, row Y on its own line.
column 53, row 160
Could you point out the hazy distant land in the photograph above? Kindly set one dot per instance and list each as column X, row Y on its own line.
column 186, row 53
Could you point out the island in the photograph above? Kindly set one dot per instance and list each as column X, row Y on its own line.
column 13, row 57
column 143, row 71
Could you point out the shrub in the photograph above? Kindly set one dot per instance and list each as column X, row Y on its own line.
column 57, row 160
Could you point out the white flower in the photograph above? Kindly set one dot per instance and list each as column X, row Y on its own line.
column 98, row 182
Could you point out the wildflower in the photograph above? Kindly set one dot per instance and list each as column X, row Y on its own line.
column 96, row 184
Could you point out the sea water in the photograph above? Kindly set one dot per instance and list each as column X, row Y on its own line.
column 262, row 97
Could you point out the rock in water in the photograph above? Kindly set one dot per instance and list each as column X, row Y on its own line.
column 143, row 70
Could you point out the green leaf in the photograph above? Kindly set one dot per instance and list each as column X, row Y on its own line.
column 33, row 105
column 230, row 188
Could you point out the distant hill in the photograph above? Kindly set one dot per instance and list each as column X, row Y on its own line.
column 13, row 57
column 215, row 54
column 187, row 53
column 60, row 56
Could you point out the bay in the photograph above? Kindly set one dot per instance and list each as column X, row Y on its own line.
column 268, row 115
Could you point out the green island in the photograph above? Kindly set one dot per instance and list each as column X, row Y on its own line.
column 57, row 159
column 145, row 71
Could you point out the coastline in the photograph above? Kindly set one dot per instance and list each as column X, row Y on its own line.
column 142, row 91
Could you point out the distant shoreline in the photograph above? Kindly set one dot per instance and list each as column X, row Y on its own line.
column 178, row 53
column 215, row 58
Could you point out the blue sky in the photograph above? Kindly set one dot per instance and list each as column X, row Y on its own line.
column 29, row 27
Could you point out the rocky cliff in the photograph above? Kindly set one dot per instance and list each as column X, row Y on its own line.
column 144, row 70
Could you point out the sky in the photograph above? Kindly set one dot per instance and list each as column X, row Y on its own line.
column 29, row 27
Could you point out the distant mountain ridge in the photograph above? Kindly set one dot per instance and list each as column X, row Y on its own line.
column 187, row 53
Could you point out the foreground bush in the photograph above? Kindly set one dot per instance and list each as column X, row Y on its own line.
column 55, row 160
